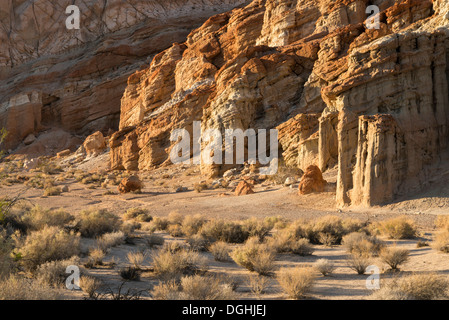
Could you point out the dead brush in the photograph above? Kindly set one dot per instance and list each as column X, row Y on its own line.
column 255, row 257
column 394, row 257
column 296, row 282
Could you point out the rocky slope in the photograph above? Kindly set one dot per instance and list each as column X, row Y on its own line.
column 51, row 77
column 373, row 102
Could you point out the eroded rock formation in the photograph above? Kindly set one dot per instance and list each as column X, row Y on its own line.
column 374, row 102
column 74, row 79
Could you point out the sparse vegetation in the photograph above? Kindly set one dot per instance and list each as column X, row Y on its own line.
column 296, row 282
column 398, row 228
column 394, row 257
column 221, row 251
column 255, row 257
column 324, row 266
column 94, row 223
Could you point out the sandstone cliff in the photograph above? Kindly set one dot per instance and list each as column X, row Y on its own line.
column 373, row 102
column 51, row 77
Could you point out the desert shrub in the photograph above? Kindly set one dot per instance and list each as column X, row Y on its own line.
column 428, row 286
column 360, row 243
column 175, row 230
column 441, row 242
column 110, row 240
column 175, row 218
column 48, row 244
column 286, row 242
column 136, row 259
column 130, row 274
column 199, row 187
column 128, row 228
column 94, row 223
column 394, row 257
column 296, row 282
column 6, row 262
column 255, row 257
column 358, row 263
column 160, row 224
column 53, row 273
column 169, row 264
column 194, row 288
column 220, row 230
column 96, row 257
column 256, row 228
column 138, row 214
column 258, row 284
column 90, row 286
column 198, row 243
column 442, row 222
column 17, row 288
column 332, row 229
column 37, row 218
column 221, row 251
column 52, row 191
column 324, row 266
column 398, row 228
column 154, row 240
column 192, row 224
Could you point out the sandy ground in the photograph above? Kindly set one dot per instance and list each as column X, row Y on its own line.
column 160, row 198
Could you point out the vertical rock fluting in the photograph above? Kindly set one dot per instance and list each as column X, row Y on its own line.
column 373, row 102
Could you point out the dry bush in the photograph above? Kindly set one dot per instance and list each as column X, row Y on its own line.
column 220, row 230
column 428, row 286
column 17, row 288
column 394, row 257
column 160, row 224
column 110, row 240
column 296, row 282
column 195, row 288
column 441, row 242
column 154, row 240
column 169, row 264
column 199, row 187
column 360, row 243
column 6, row 262
column 175, row 230
column 175, row 218
column 192, row 224
column 37, row 218
column 48, row 244
column 442, row 222
column 324, row 266
column 198, row 243
column 255, row 257
column 136, row 259
column 257, row 228
column 96, row 257
column 130, row 274
column 53, row 273
column 258, row 285
column 90, row 286
column 221, row 251
column 94, row 223
column 139, row 214
column 52, row 191
column 398, row 228
column 286, row 242
column 358, row 263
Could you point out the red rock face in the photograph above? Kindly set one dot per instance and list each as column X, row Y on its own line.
column 74, row 79
column 314, row 71
column 312, row 181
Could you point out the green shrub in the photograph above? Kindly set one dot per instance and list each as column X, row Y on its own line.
column 398, row 228
column 255, row 257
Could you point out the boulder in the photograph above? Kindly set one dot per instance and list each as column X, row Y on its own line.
column 94, row 144
column 244, row 188
column 130, row 184
column 312, row 181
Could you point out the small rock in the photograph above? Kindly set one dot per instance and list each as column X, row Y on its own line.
column 65, row 189
column 230, row 173
column 62, row 154
column 29, row 139
column 31, row 164
column 182, row 189
column 289, row 181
